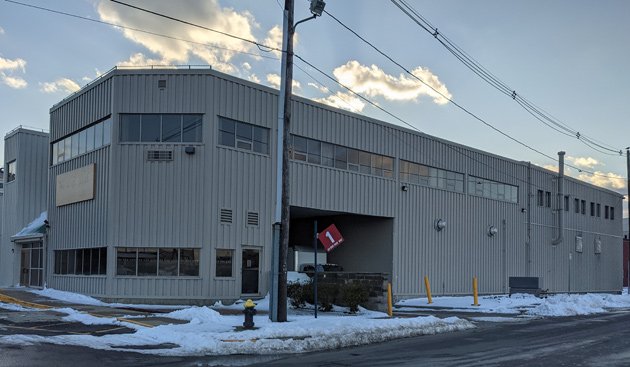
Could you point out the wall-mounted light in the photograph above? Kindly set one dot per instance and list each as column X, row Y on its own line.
column 492, row 231
column 439, row 224
column 523, row 210
column 404, row 188
column 46, row 223
column 189, row 150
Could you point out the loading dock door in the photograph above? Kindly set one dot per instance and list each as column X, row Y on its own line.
column 250, row 271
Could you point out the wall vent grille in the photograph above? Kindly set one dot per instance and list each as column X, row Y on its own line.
column 252, row 219
column 159, row 155
column 226, row 216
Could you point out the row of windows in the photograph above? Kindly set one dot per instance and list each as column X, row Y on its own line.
column 242, row 135
column 88, row 261
column 157, row 261
column 161, row 128
column 331, row 155
column 94, row 137
column 543, row 198
column 492, row 189
column 430, row 176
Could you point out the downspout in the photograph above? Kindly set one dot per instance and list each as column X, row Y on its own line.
column 560, row 237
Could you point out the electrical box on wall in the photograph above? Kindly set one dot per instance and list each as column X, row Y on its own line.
column 598, row 245
column 578, row 244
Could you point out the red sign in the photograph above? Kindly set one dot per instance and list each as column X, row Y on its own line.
column 330, row 238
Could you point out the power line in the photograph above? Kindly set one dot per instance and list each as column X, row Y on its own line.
column 495, row 82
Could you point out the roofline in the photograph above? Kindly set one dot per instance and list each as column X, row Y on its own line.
column 27, row 129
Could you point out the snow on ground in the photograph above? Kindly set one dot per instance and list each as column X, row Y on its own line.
column 553, row 305
column 209, row 333
column 81, row 299
column 13, row 307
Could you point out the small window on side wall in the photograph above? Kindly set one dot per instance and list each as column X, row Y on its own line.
column 224, row 261
column 11, row 170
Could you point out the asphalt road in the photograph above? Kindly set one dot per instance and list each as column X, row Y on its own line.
column 601, row 340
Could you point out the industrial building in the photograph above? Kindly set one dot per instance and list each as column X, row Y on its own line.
column 161, row 188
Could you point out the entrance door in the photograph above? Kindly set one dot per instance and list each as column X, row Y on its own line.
column 250, row 271
column 31, row 265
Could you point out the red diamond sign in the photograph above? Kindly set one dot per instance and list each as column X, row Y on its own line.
column 330, row 238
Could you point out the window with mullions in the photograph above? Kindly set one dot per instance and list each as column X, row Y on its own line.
column 244, row 136
column 431, row 176
column 93, row 137
column 331, row 155
column 133, row 261
column 160, row 128
column 492, row 189
column 86, row 261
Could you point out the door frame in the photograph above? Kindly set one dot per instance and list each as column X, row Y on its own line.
column 260, row 262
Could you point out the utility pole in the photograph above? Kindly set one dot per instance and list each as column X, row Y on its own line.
column 628, row 192
column 278, row 311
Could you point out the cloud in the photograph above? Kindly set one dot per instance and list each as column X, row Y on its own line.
column 373, row 82
column 551, row 167
column 246, row 66
column 87, row 78
column 140, row 60
column 60, row 85
column 275, row 79
column 1, row 31
column 584, row 162
column 170, row 51
column 12, row 65
column 253, row 78
column 344, row 101
column 320, row 88
column 274, row 39
column 13, row 82
column 608, row 180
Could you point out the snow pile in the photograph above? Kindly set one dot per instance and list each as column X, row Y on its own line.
column 295, row 277
column 85, row 318
column 584, row 304
column 81, row 299
column 13, row 307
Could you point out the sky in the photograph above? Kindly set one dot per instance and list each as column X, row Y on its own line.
column 567, row 57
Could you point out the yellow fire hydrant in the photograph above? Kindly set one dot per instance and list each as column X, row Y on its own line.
column 249, row 312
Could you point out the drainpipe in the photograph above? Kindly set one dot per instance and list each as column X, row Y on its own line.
column 560, row 237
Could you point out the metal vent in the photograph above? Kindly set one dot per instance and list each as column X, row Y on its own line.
column 226, row 216
column 162, row 83
column 159, row 155
column 252, row 219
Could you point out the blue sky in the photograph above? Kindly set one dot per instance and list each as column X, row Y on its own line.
column 569, row 57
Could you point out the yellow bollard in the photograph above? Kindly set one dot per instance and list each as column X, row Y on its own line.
column 389, row 299
column 475, row 296
column 426, row 284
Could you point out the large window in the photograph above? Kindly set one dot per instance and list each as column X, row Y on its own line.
column 331, row 155
column 91, row 138
column 244, row 136
column 224, row 263
column 153, row 261
column 430, row 176
column 492, row 189
column 11, row 170
column 161, row 128
column 85, row 261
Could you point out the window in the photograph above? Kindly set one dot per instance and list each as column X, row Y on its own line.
column 592, row 209
column 566, row 203
column 244, row 136
column 11, row 170
column 495, row 190
column 599, row 210
column 547, row 199
column 93, row 137
column 576, row 203
column 331, row 155
column 583, row 207
column 160, row 128
column 539, row 198
column 606, row 211
column 86, row 261
column 429, row 176
column 612, row 213
column 224, row 261
column 157, row 261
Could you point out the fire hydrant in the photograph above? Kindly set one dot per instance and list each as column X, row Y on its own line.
column 249, row 313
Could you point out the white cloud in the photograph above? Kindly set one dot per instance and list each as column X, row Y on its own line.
column 344, row 101
column 253, row 78
column 140, row 60
column 170, row 51
column 320, row 88
column 60, row 85
column 274, row 80
column 13, row 82
column 274, row 39
column 246, row 66
column 584, row 162
column 373, row 81
column 2, row 30
column 12, row 65
column 551, row 167
column 87, row 78
column 608, row 180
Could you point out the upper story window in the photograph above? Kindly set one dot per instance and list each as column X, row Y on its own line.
column 161, row 128
column 91, row 138
column 492, row 189
column 540, row 199
column 11, row 170
column 242, row 135
column 430, row 176
column 337, row 156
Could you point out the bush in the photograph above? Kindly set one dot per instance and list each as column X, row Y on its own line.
column 300, row 294
column 326, row 296
column 353, row 295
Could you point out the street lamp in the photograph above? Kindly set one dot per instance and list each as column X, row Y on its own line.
column 278, row 305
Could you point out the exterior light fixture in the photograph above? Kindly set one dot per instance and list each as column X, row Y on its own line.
column 492, row 231
column 439, row 224
column 317, row 7
column 404, row 188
